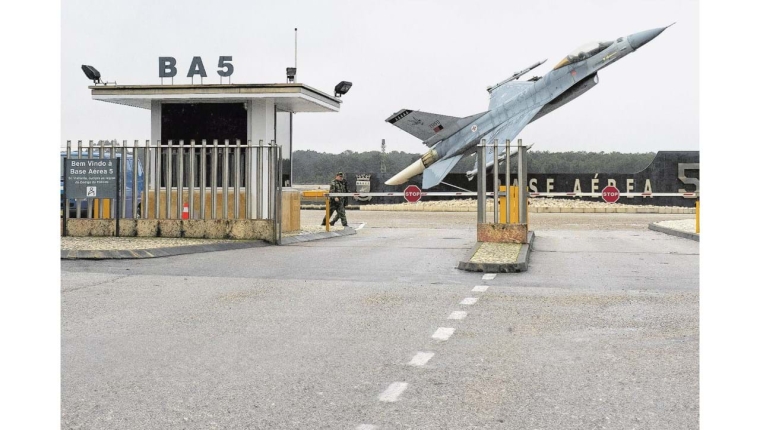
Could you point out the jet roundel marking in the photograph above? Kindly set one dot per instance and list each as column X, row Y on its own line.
column 474, row 128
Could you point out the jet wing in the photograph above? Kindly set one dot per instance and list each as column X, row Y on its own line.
column 422, row 125
column 506, row 131
column 506, row 92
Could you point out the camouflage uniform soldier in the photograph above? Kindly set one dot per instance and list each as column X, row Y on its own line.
column 338, row 204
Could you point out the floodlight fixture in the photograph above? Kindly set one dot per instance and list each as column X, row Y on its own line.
column 291, row 74
column 342, row 88
column 92, row 74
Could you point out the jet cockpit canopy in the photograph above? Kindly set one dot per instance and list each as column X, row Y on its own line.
column 582, row 53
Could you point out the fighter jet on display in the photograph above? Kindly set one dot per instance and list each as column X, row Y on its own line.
column 513, row 105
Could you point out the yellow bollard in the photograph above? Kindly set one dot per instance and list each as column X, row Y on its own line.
column 327, row 213
column 697, row 216
column 503, row 206
column 514, row 209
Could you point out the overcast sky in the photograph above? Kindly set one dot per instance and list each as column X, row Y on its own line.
column 436, row 56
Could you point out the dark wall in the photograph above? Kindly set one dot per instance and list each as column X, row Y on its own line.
column 208, row 121
column 662, row 175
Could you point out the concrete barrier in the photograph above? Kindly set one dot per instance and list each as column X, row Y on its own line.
column 243, row 229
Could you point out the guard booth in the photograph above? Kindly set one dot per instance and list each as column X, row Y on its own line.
column 216, row 152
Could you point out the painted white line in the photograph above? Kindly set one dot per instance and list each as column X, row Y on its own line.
column 443, row 333
column 469, row 301
column 489, row 276
column 457, row 315
column 392, row 393
column 421, row 358
column 480, row 288
column 366, row 427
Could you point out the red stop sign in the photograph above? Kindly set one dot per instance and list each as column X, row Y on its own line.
column 610, row 194
column 412, row 193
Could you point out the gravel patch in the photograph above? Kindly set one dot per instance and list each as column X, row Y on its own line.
column 499, row 253
column 130, row 243
column 685, row 225
column 534, row 202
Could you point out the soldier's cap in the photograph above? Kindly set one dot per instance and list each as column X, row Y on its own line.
column 339, row 174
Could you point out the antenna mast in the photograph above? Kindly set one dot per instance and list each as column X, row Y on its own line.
column 296, row 59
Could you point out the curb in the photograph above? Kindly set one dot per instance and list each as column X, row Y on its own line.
column 317, row 236
column 122, row 254
column 674, row 232
column 520, row 266
column 531, row 209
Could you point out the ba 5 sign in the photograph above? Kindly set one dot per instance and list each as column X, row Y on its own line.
column 167, row 67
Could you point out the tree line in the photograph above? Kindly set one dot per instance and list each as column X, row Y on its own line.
column 312, row 167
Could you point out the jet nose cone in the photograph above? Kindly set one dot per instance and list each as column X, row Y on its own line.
column 637, row 40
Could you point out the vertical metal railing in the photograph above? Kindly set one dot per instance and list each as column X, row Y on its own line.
column 507, row 166
column 203, row 179
column 225, row 178
column 191, row 180
column 482, row 181
column 495, row 181
column 522, row 174
column 236, row 187
column 168, row 180
column 157, row 181
column 157, row 202
column 214, row 159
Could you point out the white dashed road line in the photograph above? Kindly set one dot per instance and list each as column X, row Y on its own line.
column 421, row 358
column 480, row 288
column 366, row 427
column 443, row 333
column 457, row 315
column 489, row 276
column 469, row 301
column 392, row 393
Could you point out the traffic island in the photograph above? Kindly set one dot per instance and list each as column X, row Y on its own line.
column 498, row 257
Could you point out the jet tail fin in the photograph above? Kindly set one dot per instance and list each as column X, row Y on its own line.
column 434, row 174
column 422, row 125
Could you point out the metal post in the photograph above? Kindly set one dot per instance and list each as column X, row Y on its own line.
column 79, row 201
column 168, row 181
column 506, row 176
column 135, row 167
column 90, row 201
column 64, row 200
column 118, row 186
column 101, row 155
column 146, row 180
column 214, row 159
column 236, row 189
column 156, row 206
column 271, row 178
column 482, row 181
column 123, row 187
column 522, row 179
column 248, row 187
column 202, row 200
column 260, row 180
column 327, row 213
column 191, row 185
column 495, row 181
column 225, row 177
column 180, row 179
column 278, row 194
column 113, row 201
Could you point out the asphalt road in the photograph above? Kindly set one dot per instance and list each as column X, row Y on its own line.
column 355, row 332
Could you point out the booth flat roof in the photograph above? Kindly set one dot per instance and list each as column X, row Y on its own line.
column 290, row 97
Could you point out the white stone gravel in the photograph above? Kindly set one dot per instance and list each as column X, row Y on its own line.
column 129, row 243
column 501, row 253
column 535, row 202
column 685, row 225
